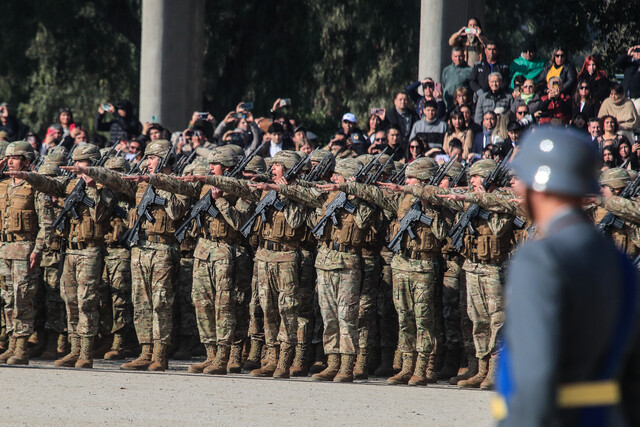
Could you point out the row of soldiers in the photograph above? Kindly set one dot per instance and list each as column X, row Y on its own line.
column 388, row 268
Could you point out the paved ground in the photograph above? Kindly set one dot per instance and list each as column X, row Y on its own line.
column 43, row 395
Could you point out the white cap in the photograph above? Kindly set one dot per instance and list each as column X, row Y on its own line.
column 350, row 117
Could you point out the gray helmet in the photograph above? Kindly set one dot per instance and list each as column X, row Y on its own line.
column 347, row 167
column 421, row 168
column 558, row 160
column 482, row 168
column 117, row 163
column 20, row 148
column 86, row 152
column 615, row 178
column 286, row 158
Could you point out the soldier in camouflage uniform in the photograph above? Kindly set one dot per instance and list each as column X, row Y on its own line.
column 416, row 269
column 4, row 338
column 20, row 215
column 154, row 258
column 277, row 265
column 83, row 263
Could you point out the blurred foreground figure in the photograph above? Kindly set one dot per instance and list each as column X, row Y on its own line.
column 571, row 350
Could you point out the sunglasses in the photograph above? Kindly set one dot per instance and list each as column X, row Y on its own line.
column 347, row 121
column 430, row 85
column 584, row 87
column 560, row 55
column 521, row 112
column 380, row 139
column 527, row 87
column 414, row 146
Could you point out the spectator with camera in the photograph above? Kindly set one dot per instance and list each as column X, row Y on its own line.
column 623, row 109
column 340, row 146
column 430, row 129
column 560, row 67
column 374, row 124
column 455, row 75
column 495, row 98
column 401, row 116
column 431, row 92
column 9, row 123
column 379, row 143
column 527, row 64
column 556, row 105
column 470, row 40
column 479, row 81
column 629, row 62
column 123, row 122
column 52, row 138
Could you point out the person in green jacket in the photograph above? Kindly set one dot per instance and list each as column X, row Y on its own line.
column 527, row 64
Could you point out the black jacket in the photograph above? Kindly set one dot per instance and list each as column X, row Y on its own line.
column 568, row 76
column 480, row 76
column 287, row 144
column 394, row 118
column 15, row 129
column 631, row 81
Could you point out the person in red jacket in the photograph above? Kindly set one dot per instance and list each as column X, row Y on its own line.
column 555, row 104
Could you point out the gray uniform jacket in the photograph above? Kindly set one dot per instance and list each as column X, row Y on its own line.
column 564, row 297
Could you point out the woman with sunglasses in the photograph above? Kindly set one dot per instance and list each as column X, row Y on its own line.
column 414, row 149
column 559, row 66
column 583, row 101
column 596, row 77
column 526, row 97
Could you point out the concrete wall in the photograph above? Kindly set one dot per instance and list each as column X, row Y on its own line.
column 171, row 61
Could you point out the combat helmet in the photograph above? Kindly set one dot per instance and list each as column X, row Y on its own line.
column 558, row 160
column 225, row 156
column 86, row 152
column 615, row 178
column 57, row 156
column 159, row 147
column 482, row 167
column 347, row 167
column 256, row 165
column 117, row 163
column 421, row 168
column 286, row 158
column 20, row 148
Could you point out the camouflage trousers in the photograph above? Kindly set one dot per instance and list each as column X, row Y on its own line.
column 79, row 287
column 116, row 281
column 19, row 287
column 451, row 302
column 55, row 313
column 339, row 299
column 278, row 283
column 371, row 272
column 184, row 310
column 306, row 290
column 484, row 304
column 386, row 315
column 256, row 315
column 243, row 292
column 214, row 294
column 415, row 291
column 153, row 270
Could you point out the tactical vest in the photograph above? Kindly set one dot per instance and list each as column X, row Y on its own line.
column 346, row 232
column 117, row 227
column 18, row 212
column 218, row 228
column 277, row 229
column 425, row 240
column 484, row 246
column 621, row 238
column 84, row 228
column 163, row 224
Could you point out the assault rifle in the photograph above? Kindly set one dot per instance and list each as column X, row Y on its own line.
column 458, row 178
column 182, row 163
column 320, row 170
column 437, row 177
column 36, row 165
column 413, row 215
column 375, row 177
column 459, row 230
column 149, row 198
column 78, row 196
column 363, row 172
column 206, row 205
column 398, row 176
column 271, row 198
column 610, row 219
column 239, row 167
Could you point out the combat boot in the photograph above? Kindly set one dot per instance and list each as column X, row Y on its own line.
column 69, row 361
column 198, row 368
column 476, row 380
column 51, row 348
column 320, row 363
column 300, row 367
column 271, row 363
column 219, row 364
column 385, row 369
column 159, row 361
column 117, row 348
column 38, row 344
column 346, row 373
column 4, row 338
column 489, row 381
column 471, row 370
column 451, row 364
column 284, row 361
column 142, row 362
column 408, row 366
column 21, row 353
column 330, row 372
column 85, row 361
column 255, row 352
column 419, row 376
column 360, row 371
column 397, row 361
column 62, row 346
column 12, row 348
column 235, row 359
column 430, row 373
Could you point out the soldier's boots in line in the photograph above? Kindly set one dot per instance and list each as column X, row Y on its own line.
column 69, row 361
column 36, row 343
column 300, row 366
column 4, row 338
column 472, row 368
column 419, row 376
column 332, row 369
column 451, row 363
column 235, row 359
column 477, row 379
column 346, row 374
column 270, row 365
column 142, row 362
column 361, row 368
column 285, row 359
column 159, row 359
column 255, row 354
column 219, row 364
column 85, row 360
column 198, row 368
column 397, row 361
column 10, row 350
column 489, row 381
column 405, row 374
column 21, row 352
column 320, row 363
column 117, row 348
column 430, row 373
column 385, row 369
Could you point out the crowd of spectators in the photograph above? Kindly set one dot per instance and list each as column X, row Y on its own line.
column 477, row 108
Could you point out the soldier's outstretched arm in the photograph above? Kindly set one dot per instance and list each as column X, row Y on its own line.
column 237, row 187
column 169, row 183
column 626, row 209
column 42, row 183
column 431, row 193
column 112, row 180
column 311, row 197
column 372, row 194
column 494, row 202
